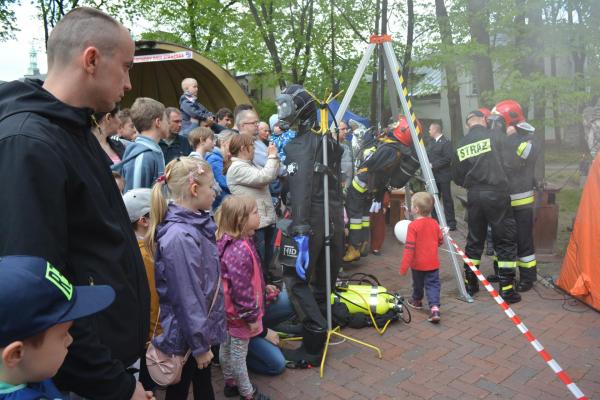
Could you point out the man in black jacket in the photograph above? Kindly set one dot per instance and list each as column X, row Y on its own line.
column 61, row 202
column 477, row 166
column 439, row 151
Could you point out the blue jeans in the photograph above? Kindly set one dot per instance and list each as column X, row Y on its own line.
column 264, row 240
column 430, row 281
column 263, row 356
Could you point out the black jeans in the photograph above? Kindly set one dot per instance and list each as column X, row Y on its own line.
column 200, row 380
column 264, row 240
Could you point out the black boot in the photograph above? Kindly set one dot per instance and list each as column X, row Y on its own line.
column 494, row 277
column 311, row 349
column 507, row 290
column 524, row 286
column 471, row 282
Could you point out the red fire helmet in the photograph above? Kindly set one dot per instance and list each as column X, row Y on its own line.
column 510, row 111
column 402, row 131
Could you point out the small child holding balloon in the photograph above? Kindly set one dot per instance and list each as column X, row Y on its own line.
column 423, row 238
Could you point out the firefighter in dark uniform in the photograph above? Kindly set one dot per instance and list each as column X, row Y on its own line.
column 391, row 159
column 520, row 153
column 306, row 280
column 477, row 166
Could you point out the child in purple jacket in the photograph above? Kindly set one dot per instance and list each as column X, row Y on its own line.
column 182, row 239
column 243, row 284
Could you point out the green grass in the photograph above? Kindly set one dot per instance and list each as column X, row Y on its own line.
column 568, row 200
column 561, row 154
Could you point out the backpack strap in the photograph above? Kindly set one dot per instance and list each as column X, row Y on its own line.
column 119, row 166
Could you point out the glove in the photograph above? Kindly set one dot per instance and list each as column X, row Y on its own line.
column 303, row 257
column 375, row 207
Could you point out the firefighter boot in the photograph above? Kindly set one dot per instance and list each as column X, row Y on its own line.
column 507, row 289
column 352, row 254
column 471, row 282
column 364, row 249
column 311, row 349
column 493, row 278
column 524, row 285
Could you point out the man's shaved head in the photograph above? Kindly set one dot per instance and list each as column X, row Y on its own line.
column 81, row 28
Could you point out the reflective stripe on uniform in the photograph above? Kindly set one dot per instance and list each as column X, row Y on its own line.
column 507, row 287
column 522, row 202
column 521, row 199
column 359, row 185
column 524, row 149
column 507, row 264
column 355, row 224
column 475, row 261
column 527, row 262
column 366, row 222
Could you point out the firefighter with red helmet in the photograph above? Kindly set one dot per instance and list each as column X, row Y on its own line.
column 519, row 156
column 477, row 166
column 390, row 160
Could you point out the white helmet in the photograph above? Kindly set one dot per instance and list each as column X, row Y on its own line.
column 401, row 229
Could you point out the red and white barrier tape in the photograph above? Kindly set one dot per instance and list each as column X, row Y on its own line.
column 562, row 375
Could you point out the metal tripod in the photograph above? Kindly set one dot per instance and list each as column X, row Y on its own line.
column 386, row 42
column 331, row 331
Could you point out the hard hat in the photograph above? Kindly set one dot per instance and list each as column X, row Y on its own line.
column 401, row 229
column 510, row 111
column 402, row 131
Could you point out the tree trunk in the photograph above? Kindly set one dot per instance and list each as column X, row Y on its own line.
column 334, row 86
column 453, row 92
column 535, row 66
column 555, row 105
column 410, row 33
column 381, row 86
column 268, row 36
column 479, row 18
column 308, row 43
column 44, row 10
column 192, row 24
column 578, row 55
column 374, row 76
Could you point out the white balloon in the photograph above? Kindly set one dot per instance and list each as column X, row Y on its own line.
column 401, row 229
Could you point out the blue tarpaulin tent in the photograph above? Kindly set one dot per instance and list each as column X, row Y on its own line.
column 334, row 105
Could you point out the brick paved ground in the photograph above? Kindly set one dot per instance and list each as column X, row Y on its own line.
column 474, row 353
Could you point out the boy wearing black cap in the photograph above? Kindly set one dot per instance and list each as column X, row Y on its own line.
column 38, row 306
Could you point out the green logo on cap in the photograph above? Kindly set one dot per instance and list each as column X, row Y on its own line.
column 54, row 276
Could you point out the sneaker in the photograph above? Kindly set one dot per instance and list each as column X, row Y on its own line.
column 256, row 395
column 434, row 317
column 416, row 304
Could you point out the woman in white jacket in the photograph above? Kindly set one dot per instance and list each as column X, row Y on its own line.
column 245, row 178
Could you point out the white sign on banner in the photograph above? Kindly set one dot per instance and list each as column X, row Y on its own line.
column 180, row 55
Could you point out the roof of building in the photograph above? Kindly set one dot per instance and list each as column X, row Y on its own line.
column 428, row 81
